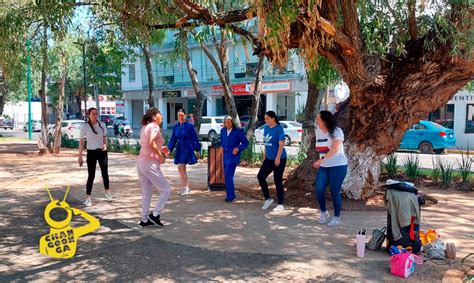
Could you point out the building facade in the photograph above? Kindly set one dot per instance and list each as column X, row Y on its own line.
column 284, row 91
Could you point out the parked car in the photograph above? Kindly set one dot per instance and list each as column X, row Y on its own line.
column 293, row 132
column 211, row 126
column 70, row 129
column 6, row 124
column 245, row 120
column 35, row 126
column 428, row 137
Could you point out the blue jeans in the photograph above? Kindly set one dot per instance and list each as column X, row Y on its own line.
column 229, row 171
column 332, row 176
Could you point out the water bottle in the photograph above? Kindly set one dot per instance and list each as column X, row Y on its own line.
column 360, row 243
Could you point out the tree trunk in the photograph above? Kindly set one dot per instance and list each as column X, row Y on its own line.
column 223, row 78
column 302, row 177
column 256, row 98
column 3, row 95
column 197, row 111
column 149, row 70
column 313, row 104
column 43, row 140
column 60, row 110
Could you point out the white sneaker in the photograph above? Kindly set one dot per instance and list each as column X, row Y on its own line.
column 279, row 207
column 108, row 196
column 324, row 217
column 334, row 221
column 88, row 202
column 185, row 192
column 267, row 203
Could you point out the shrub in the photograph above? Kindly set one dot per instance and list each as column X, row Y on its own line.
column 436, row 172
column 447, row 172
column 412, row 166
column 389, row 166
column 465, row 166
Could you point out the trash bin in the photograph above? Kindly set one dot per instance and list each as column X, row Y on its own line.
column 215, row 169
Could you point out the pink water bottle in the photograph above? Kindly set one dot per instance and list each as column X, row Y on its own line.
column 360, row 243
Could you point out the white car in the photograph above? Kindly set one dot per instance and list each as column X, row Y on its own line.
column 211, row 126
column 70, row 129
column 293, row 131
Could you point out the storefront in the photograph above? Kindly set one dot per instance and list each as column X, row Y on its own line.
column 458, row 115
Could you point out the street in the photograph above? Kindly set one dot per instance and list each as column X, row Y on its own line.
column 426, row 160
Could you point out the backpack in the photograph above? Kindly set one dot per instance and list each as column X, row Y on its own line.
column 378, row 237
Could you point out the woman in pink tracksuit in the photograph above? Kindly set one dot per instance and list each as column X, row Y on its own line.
column 152, row 154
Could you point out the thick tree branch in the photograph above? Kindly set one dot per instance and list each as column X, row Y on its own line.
column 412, row 29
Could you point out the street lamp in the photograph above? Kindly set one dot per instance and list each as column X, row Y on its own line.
column 83, row 44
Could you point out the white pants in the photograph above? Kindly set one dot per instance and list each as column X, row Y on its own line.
column 149, row 175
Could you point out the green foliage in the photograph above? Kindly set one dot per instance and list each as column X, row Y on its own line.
column 412, row 166
column 250, row 154
column 447, row 172
column 324, row 74
column 436, row 172
column 390, row 165
column 465, row 166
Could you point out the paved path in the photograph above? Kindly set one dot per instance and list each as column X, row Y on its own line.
column 204, row 238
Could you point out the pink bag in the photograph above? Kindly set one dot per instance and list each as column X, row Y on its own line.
column 404, row 264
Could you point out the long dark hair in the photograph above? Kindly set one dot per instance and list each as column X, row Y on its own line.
column 329, row 121
column 148, row 117
column 273, row 115
column 89, row 120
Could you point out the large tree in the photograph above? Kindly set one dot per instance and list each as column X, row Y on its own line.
column 400, row 59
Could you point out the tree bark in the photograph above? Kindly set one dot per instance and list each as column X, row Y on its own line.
column 3, row 95
column 60, row 109
column 303, row 176
column 223, row 78
column 313, row 104
column 149, row 70
column 197, row 111
column 256, row 98
column 43, row 140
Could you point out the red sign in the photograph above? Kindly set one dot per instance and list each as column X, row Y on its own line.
column 236, row 89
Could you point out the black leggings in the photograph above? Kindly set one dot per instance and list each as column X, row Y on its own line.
column 268, row 167
column 92, row 157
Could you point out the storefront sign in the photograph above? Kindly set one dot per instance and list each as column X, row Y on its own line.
column 171, row 93
column 463, row 97
column 284, row 86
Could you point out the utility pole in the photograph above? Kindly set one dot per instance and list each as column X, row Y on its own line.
column 28, row 87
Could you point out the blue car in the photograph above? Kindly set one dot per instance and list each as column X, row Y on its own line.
column 428, row 137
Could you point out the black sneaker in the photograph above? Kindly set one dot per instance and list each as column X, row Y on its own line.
column 155, row 219
column 143, row 224
column 228, row 200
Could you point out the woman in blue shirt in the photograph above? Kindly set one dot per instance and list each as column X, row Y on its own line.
column 233, row 142
column 274, row 160
column 185, row 140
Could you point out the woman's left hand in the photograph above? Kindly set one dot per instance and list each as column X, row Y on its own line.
column 277, row 162
column 235, row 151
column 104, row 147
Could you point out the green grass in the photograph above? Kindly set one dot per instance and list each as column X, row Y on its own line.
column 13, row 139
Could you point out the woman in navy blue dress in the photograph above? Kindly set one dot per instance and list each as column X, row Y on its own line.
column 184, row 139
column 233, row 142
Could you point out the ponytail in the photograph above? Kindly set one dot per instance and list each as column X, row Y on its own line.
column 148, row 117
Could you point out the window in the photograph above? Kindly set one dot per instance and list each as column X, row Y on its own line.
column 206, row 121
column 283, row 125
column 470, row 119
column 239, row 75
column 219, row 120
column 296, row 124
column 251, row 69
column 443, row 116
column 167, row 80
column 131, row 72
column 418, row 127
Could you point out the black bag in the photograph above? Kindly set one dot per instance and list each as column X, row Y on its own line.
column 378, row 237
column 406, row 240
